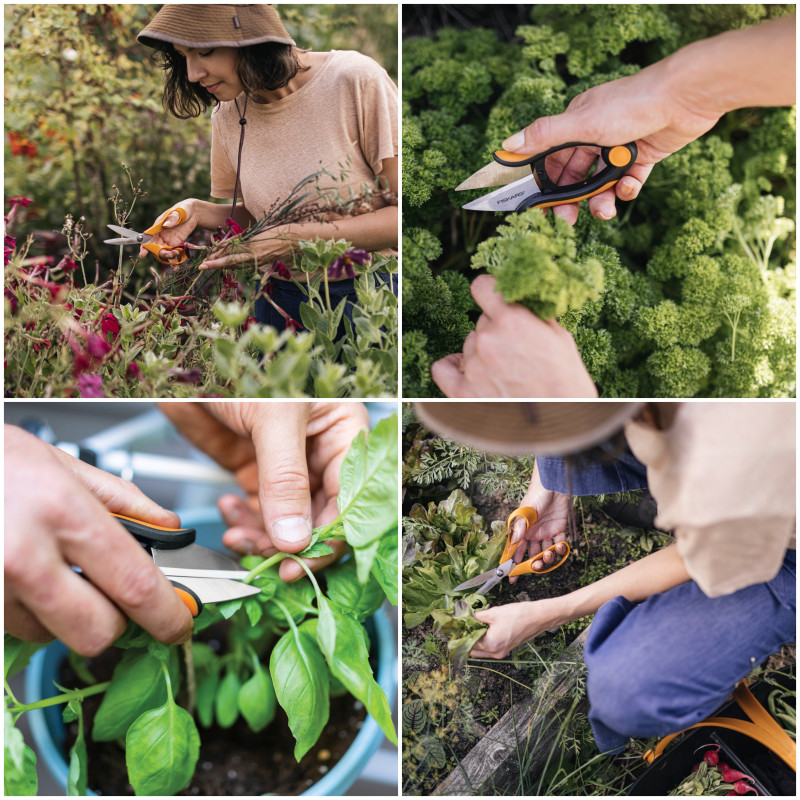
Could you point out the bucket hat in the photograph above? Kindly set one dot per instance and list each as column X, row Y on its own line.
column 518, row 429
column 215, row 25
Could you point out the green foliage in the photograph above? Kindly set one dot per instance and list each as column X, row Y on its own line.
column 314, row 644
column 688, row 292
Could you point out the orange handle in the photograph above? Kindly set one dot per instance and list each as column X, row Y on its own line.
column 531, row 516
column 526, row 567
column 156, row 249
column 189, row 598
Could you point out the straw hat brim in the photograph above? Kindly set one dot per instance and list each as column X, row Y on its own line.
column 516, row 429
column 214, row 25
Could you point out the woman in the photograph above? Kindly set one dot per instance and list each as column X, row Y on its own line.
column 674, row 632
column 280, row 115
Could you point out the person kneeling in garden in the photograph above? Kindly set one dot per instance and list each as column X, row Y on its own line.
column 674, row 632
column 281, row 115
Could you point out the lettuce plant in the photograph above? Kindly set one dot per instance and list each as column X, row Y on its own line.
column 291, row 645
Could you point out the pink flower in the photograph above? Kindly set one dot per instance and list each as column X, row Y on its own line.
column 8, row 248
column 186, row 375
column 21, row 201
column 90, row 386
column 109, row 324
column 97, row 346
column 12, row 300
column 344, row 264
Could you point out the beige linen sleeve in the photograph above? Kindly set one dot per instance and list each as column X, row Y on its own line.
column 223, row 171
column 378, row 116
column 723, row 476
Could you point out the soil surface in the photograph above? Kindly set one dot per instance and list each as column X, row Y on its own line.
column 233, row 761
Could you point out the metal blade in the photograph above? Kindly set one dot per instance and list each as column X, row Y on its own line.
column 126, row 232
column 494, row 174
column 214, row 590
column 184, row 572
column 195, row 560
column 476, row 581
column 507, row 197
column 119, row 241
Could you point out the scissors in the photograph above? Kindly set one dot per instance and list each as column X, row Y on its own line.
column 488, row 580
column 525, row 184
column 146, row 239
column 203, row 575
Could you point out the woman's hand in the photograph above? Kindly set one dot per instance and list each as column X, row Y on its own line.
column 172, row 234
column 511, row 625
column 513, row 353
column 553, row 512
column 273, row 245
column 286, row 457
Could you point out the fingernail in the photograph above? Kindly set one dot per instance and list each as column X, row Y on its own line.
column 626, row 190
column 291, row 529
column 514, row 142
column 245, row 547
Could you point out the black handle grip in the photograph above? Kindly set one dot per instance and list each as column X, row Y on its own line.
column 618, row 159
column 157, row 538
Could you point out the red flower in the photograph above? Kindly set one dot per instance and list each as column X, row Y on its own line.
column 234, row 227
column 187, row 375
column 109, row 324
column 66, row 263
column 133, row 371
column 12, row 300
column 8, row 248
column 249, row 321
column 21, row 201
column 90, row 386
column 293, row 325
column 20, row 146
column 282, row 271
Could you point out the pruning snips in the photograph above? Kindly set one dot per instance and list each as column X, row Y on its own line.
column 199, row 575
column 525, row 183
column 146, row 239
column 508, row 567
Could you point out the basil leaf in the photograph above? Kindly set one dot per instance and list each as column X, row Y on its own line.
column 161, row 750
column 205, row 697
column 316, row 550
column 385, row 567
column 360, row 599
column 133, row 637
column 137, row 686
column 254, row 609
column 349, row 662
column 226, row 704
column 368, row 480
column 78, row 773
column 257, row 700
column 297, row 598
column 16, row 654
column 19, row 761
column 229, row 607
column 301, row 685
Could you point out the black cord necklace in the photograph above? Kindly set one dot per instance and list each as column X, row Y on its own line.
column 242, row 122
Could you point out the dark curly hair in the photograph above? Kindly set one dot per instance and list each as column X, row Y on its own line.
column 262, row 67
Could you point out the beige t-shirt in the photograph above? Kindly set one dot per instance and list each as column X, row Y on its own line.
column 723, row 475
column 344, row 119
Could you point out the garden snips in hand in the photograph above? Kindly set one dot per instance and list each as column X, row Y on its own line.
column 525, row 183
column 146, row 239
column 198, row 574
column 507, row 568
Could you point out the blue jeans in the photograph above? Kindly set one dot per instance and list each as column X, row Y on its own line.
column 660, row 666
column 624, row 473
column 289, row 297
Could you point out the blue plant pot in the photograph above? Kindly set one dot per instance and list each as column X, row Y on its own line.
column 47, row 727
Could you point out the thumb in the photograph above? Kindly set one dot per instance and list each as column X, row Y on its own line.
column 284, row 493
column 447, row 375
column 547, row 132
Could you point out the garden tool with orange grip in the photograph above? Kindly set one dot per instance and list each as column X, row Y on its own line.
column 525, row 183
column 198, row 574
column 146, row 239
column 508, row 567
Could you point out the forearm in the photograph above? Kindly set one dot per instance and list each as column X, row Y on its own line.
column 651, row 575
column 737, row 69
